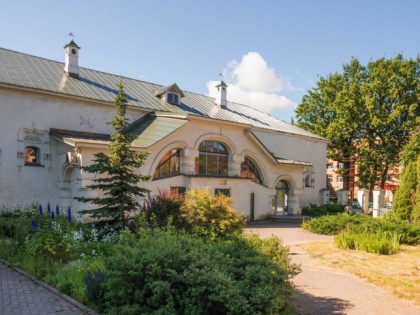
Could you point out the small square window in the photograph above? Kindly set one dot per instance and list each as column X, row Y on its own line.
column 179, row 189
column 172, row 98
column 222, row 191
column 32, row 155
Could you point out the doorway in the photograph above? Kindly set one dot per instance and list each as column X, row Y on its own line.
column 281, row 199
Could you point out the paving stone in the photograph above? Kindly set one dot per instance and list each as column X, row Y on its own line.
column 20, row 295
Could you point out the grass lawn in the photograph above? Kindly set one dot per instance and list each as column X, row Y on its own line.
column 398, row 273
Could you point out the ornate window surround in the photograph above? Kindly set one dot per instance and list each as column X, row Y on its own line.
column 36, row 139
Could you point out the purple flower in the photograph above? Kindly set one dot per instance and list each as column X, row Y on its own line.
column 34, row 224
column 69, row 215
column 52, row 215
column 57, row 210
column 40, row 210
column 49, row 208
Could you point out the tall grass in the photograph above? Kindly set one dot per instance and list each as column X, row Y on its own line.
column 381, row 242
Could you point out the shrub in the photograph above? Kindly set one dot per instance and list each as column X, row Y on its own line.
column 330, row 225
column 366, row 233
column 165, row 272
column 14, row 224
column 317, row 211
column 210, row 216
column 163, row 209
column 196, row 212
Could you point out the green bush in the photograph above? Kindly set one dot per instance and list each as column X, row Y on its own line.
column 365, row 233
column 164, row 272
column 330, row 225
column 163, row 209
column 14, row 224
column 315, row 211
column 210, row 216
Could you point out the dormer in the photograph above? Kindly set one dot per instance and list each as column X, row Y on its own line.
column 71, row 67
column 221, row 96
column 171, row 94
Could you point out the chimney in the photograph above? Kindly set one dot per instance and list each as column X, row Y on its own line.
column 71, row 68
column 221, row 94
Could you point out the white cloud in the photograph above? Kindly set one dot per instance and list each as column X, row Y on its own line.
column 252, row 82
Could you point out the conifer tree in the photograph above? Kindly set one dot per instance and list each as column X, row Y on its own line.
column 403, row 202
column 407, row 197
column 119, row 181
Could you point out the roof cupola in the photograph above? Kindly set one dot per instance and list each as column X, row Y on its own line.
column 221, row 98
column 71, row 67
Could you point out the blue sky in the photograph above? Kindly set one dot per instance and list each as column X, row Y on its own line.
column 270, row 52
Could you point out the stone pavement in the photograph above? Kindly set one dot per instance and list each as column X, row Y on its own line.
column 21, row 294
column 322, row 290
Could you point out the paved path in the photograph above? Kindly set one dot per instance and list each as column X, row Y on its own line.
column 20, row 295
column 322, row 290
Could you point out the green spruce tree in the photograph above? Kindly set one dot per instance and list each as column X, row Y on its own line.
column 405, row 194
column 415, row 215
column 407, row 197
column 119, row 181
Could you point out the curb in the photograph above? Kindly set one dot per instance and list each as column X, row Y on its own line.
column 85, row 310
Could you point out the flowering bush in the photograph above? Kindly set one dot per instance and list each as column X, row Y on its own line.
column 196, row 212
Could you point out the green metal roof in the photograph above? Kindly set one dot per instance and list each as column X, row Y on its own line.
column 147, row 130
column 150, row 129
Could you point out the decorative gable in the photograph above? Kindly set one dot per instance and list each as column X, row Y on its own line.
column 171, row 94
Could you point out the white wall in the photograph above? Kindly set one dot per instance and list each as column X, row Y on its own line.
column 58, row 182
column 300, row 149
column 21, row 184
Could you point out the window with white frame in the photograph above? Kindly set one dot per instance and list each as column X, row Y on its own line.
column 213, row 159
column 172, row 98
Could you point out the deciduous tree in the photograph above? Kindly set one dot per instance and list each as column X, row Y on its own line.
column 367, row 113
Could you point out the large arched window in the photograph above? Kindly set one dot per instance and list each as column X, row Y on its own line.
column 169, row 164
column 213, row 159
column 250, row 170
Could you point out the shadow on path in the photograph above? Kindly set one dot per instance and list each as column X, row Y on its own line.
column 309, row 304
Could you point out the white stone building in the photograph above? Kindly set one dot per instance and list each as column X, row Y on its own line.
column 54, row 118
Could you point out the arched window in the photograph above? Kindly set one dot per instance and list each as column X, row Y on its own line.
column 250, row 170
column 32, row 155
column 213, row 159
column 169, row 164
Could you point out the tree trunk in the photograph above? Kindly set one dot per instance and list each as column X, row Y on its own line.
column 384, row 176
